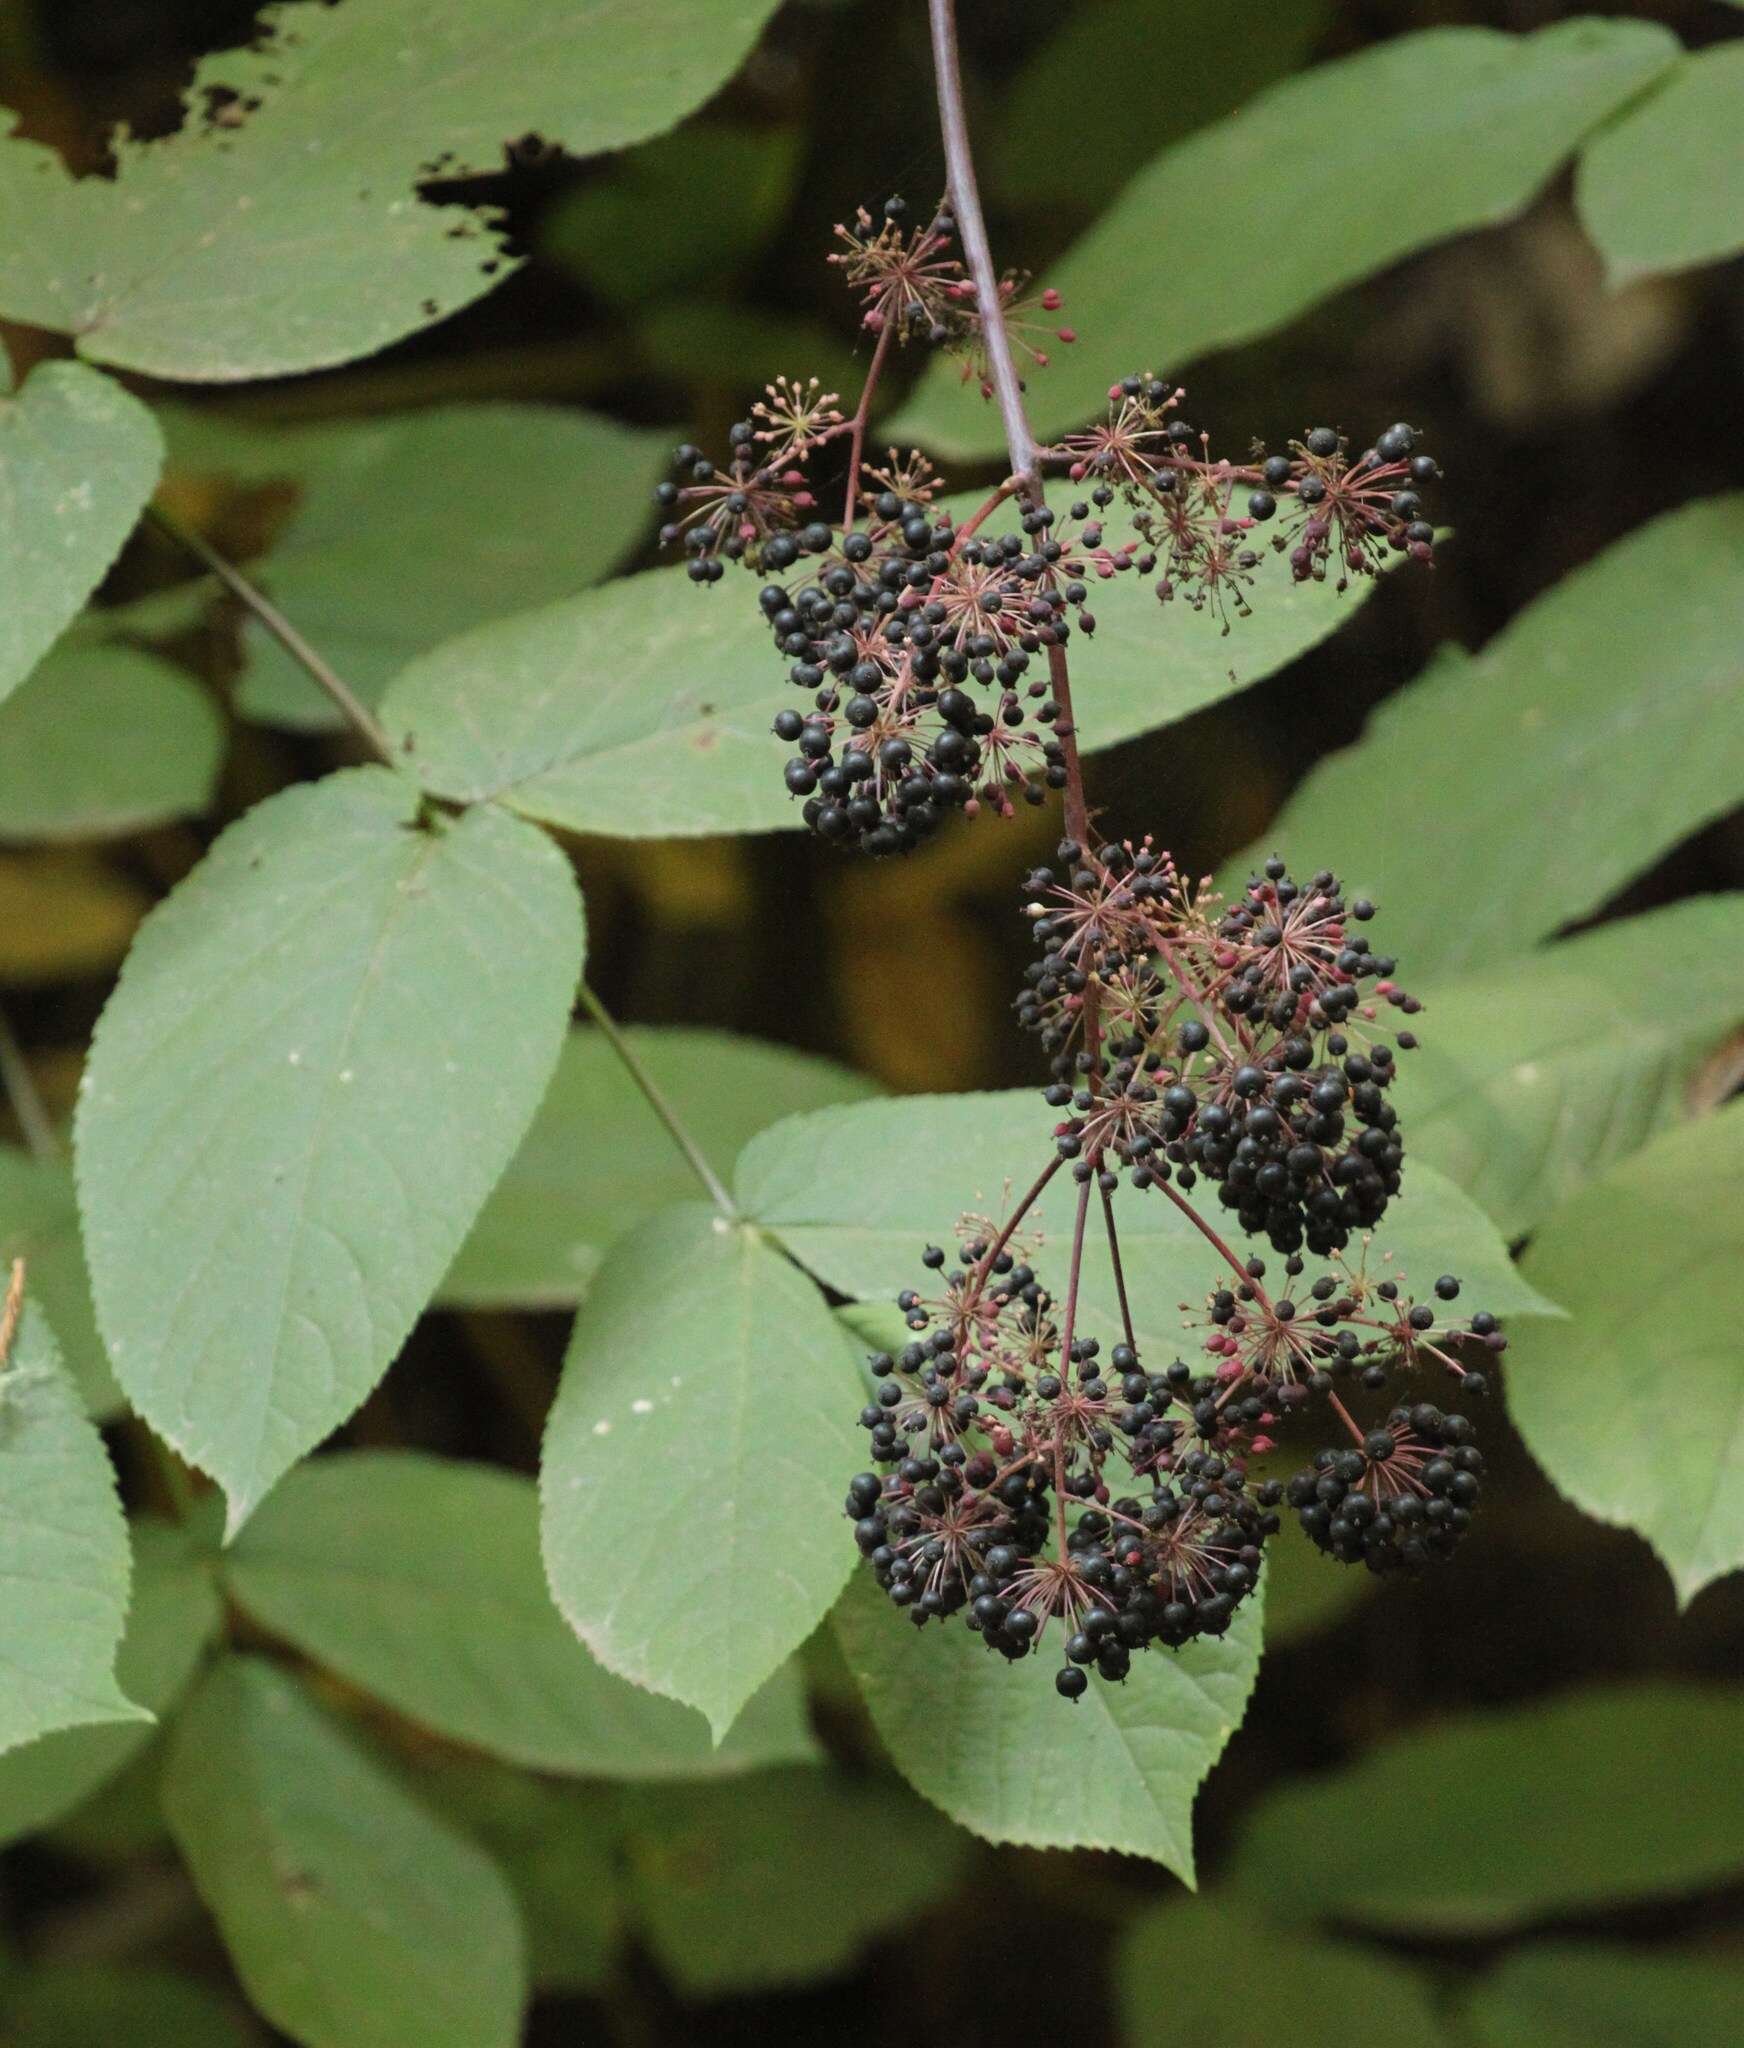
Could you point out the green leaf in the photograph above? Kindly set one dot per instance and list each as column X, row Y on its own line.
column 699, row 1350
column 1573, row 1994
column 854, row 1199
column 1111, row 56
column 39, row 1223
column 997, row 1749
column 63, row 1552
column 282, row 228
column 1151, row 664
column 173, row 1616
column 1506, row 794
column 816, row 1863
column 1319, row 182
column 74, row 2004
column 1662, row 188
column 693, row 208
column 640, row 709
column 1651, row 1259
column 669, row 734
column 354, row 1919
column 557, row 1846
column 410, row 529
column 1311, row 1993
column 103, row 741
column 1546, row 1070
column 78, row 459
column 419, row 1579
column 1629, row 1794
column 597, row 1161
column 347, row 1016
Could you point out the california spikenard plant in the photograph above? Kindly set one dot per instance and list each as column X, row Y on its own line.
column 1193, row 1044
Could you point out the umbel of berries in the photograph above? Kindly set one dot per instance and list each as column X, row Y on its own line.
column 1401, row 1497
column 922, row 645
column 1234, row 1044
column 1031, row 1488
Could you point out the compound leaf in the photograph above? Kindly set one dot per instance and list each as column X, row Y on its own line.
column 534, row 502
column 557, row 1845
column 1306, row 1994
column 855, row 1198
column 706, row 1863
column 1662, row 187
column 71, row 2005
column 173, row 1616
column 1210, row 74
column 39, row 1223
column 643, row 708
column 640, row 709
column 1671, row 1819
column 348, row 1015
column 1536, row 1075
column 702, row 1359
column 1571, row 1994
column 690, row 210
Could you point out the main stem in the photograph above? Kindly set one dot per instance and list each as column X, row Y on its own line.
column 1020, row 443
column 857, row 432
column 1024, row 455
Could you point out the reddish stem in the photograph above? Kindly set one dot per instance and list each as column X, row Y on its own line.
column 1077, row 811
column 983, row 513
column 1010, row 1225
column 1077, row 1268
column 972, row 233
column 1119, row 1274
column 862, row 413
column 1025, row 469
column 1002, row 368
column 1205, row 1230
column 1344, row 1416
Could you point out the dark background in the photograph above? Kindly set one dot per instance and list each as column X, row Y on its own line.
column 1564, row 418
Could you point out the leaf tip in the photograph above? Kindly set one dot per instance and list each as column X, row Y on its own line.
column 1689, row 1582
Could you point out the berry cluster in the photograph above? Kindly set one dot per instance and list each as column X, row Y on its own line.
column 929, row 651
column 992, row 1418
column 914, row 649
column 1027, row 1481
column 1236, row 1044
column 1403, row 1496
column 1337, row 512
column 911, row 285
column 1022, row 1478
